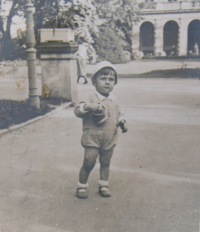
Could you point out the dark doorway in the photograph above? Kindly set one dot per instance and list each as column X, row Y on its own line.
column 147, row 38
column 170, row 38
column 194, row 37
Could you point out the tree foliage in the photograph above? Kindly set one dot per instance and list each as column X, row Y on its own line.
column 78, row 15
column 107, row 46
column 83, row 17
column 120, row 16
column 9, row 46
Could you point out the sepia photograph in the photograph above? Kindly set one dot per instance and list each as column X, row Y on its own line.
column 99, row 116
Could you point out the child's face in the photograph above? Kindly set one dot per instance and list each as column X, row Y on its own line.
column 104, row 84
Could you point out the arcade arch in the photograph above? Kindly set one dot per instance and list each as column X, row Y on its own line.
column 147, row 38
column 170, row 38
column 194, row 37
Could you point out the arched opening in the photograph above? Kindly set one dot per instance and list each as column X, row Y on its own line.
column 194, row 37
column 147, row 38
column 170, row 38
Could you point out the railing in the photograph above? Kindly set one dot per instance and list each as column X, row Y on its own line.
column 168, row 6
column 194, row 4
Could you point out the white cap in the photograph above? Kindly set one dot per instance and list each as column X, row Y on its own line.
column 103, row 64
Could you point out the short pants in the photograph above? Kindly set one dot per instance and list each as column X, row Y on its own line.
column 103, row 140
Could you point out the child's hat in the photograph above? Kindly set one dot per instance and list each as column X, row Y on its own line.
column 101, row 65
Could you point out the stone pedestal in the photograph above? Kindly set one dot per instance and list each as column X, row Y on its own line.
column 59, row 76
column 59, row 69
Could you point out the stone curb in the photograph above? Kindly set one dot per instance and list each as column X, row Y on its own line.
column 15, row 127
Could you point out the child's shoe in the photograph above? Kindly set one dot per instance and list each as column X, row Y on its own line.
column 103, row 188
column 104, row 191
column 81, row 191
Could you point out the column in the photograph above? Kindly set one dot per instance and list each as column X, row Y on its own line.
column 182, row 37
column 158, row 38
column 135, row 40
column 31, row 56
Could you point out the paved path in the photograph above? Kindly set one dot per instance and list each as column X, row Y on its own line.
column 155, row 177
column 15, row 86
column 143, row 66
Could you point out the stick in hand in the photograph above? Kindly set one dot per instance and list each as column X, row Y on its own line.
column 123, row 126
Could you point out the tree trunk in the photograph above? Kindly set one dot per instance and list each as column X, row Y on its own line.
column 2, row 39
column 9, row 19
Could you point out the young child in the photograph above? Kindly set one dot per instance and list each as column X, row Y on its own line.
column 101, row 118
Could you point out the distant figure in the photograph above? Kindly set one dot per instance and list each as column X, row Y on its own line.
column 141, row 54
column 196, row 49
column 173, row 50
column 82, row 61
column 190, row 52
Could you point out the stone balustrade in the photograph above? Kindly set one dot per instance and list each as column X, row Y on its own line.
column 169, row 6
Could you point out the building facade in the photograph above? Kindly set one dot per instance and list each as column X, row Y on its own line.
column 167, row 29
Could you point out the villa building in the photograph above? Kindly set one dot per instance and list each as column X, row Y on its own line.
column 167, row 28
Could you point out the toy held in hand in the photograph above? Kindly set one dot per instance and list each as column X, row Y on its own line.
column 99, row 114
column 100, row 109
column 122, row 125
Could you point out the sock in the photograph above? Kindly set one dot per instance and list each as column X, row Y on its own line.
column 103, row 184
column 83, row 185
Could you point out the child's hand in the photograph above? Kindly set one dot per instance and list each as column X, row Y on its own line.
column 122, row 125
column 92, row 107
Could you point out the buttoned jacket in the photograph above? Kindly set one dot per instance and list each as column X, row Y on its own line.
column 112, row 112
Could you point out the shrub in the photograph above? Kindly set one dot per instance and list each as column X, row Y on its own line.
column 14, row 49
column 108, row 46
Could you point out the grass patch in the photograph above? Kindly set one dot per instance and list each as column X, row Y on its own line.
column 16, row 112
column 170, row 73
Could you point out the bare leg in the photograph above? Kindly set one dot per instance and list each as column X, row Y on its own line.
column 91, row 154
column 104, row 160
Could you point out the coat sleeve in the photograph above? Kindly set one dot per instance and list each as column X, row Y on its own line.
column 121, row 114
column 79, row 108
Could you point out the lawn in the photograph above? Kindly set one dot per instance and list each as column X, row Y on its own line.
column 16, row 112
